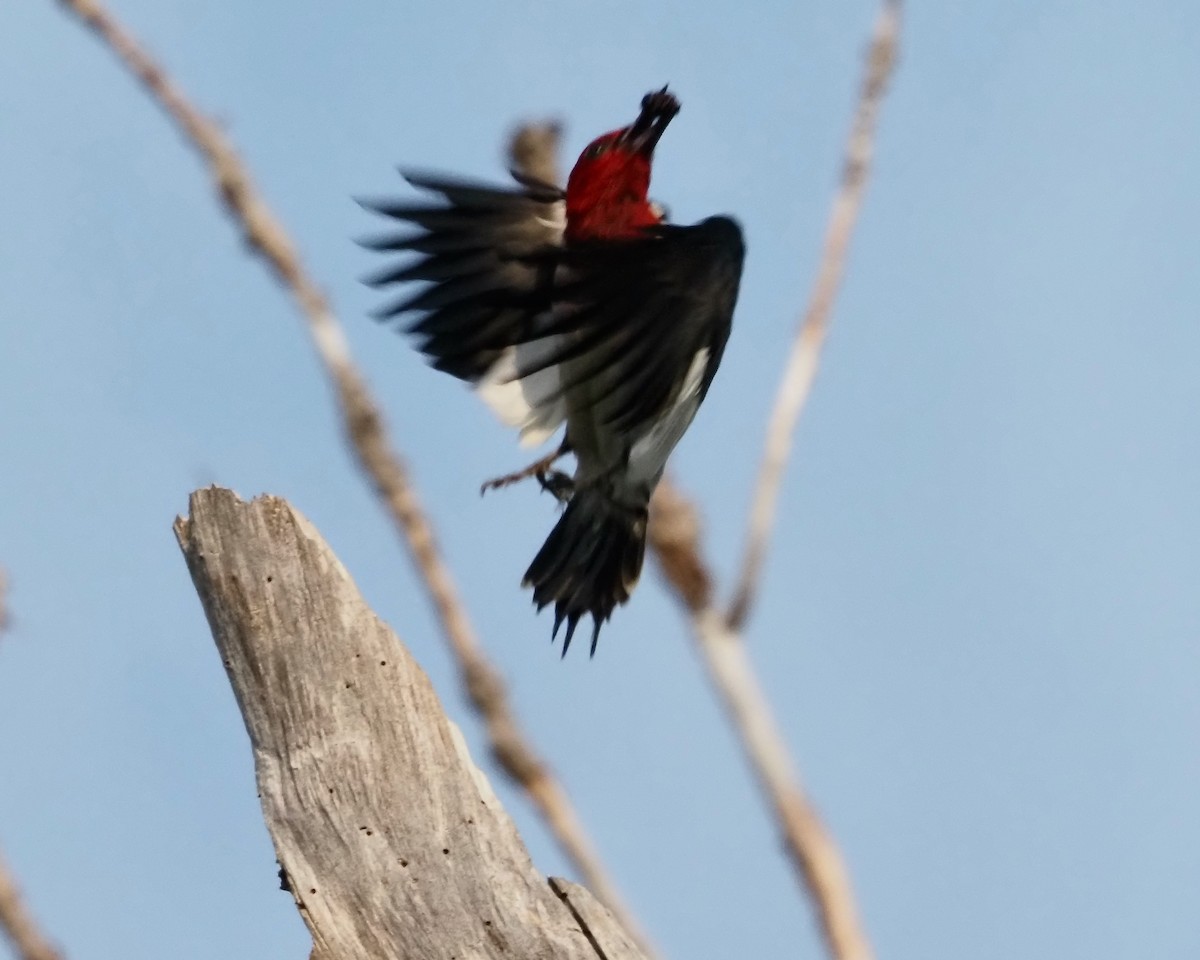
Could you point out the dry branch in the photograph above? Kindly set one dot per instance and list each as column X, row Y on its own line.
column 533, row 151
column 675, row 539
column 27, row 940
column 368, row 441
column 801, row 369
column 674, row 528
column 390, row 839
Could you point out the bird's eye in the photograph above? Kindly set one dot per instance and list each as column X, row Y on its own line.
column 597, row 149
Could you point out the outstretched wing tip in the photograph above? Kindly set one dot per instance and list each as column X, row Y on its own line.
column 376, row 244
column 479, row 253
column 422, row 179
column 389, row 311
column 378, row 206
column 376, row 279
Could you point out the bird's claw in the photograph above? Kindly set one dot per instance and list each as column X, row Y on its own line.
column 536, row 469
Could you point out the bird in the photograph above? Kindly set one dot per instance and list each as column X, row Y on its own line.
column 580, row 307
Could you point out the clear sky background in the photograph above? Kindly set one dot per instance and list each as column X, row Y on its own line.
column 981, row 616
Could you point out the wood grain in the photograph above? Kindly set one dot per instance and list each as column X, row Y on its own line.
column 391, row 840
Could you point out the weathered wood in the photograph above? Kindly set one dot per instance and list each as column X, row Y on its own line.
column 391, row 840
column 597, row 923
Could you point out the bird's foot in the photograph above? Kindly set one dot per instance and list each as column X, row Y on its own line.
column 537, row 469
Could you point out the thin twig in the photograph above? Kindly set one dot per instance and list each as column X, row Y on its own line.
column 28, row 942
column 801, row 369
column 368, row 440
column 533, row 151
column 675, row 539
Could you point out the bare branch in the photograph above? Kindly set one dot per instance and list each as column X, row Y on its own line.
column 801, row 369
column 368, row 440
column 675, row 539
column 28, row 942
column 533, row 151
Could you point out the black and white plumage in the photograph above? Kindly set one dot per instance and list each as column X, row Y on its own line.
column 618, row 339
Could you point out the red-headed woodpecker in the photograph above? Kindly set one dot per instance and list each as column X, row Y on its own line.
column 579, row 307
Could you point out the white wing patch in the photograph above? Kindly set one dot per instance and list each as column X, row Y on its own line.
column 534, row 404
column 650, row 452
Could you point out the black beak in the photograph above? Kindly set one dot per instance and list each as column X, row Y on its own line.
column 658, row 109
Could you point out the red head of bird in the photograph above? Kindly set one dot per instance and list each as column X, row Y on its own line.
column 607, row 192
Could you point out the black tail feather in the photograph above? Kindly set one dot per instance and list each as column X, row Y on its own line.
column 590, row 562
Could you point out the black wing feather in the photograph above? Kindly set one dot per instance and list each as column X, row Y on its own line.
column 623, row 321
column 630, row 314
column 478, row 250
column 634, row 313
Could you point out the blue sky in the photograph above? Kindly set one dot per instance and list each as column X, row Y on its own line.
column 980, row 619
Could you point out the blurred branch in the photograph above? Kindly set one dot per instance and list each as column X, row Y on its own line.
column 367, row 438
column 28, row 942
column 533, row 150
column 801, row 369
column 675, row 538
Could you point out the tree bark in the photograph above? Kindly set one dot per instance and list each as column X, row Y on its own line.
column 389, row 838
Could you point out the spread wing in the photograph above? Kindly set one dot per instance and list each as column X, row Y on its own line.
column 617, row 327
column 481, row 252
column 476, row 251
